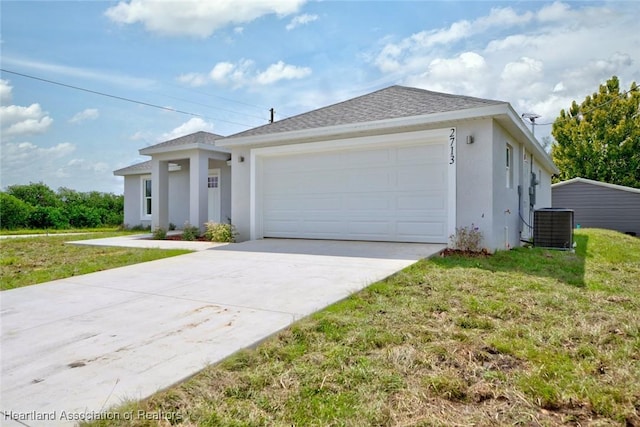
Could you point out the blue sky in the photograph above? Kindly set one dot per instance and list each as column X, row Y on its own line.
column 227, row 62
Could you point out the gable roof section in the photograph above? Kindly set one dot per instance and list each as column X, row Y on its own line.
column 200, row 140
column 598, row 183
column 200, row 137
column 389, row 103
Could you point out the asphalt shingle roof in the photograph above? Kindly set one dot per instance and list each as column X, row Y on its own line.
column 201, row 137
column 138, row 167
column 389, row 103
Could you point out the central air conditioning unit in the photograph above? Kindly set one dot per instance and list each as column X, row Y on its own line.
column 553, row 228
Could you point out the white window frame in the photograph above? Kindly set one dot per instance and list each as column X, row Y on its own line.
column 144, row 214
column 509, row 165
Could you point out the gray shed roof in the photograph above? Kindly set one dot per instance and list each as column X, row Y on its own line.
column 389, row 103
column 200, row 137
column 599, row 183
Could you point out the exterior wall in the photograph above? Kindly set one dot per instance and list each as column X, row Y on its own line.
column 133, row 201
column 474, row 178
column 241, row 194
column 510, row 209
column 179, row 197
column 601, row 207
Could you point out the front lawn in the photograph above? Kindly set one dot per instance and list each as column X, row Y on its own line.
column 525, row 337
column 30, row 260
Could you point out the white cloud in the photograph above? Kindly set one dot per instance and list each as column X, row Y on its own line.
column 465, row 74
column 538, row 60
column 87, row 114
column 5, row 92
column 281, row 71
column 199, row 18
column 16, row 155
column 238, row 30
column 395, row 56
column 102, row 76
column 299, row 20
column 244, row 73
column 22, row 121
column 193, row 79
column 195, row 124
column 88, row 169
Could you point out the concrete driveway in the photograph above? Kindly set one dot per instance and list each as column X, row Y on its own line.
column 75, row 347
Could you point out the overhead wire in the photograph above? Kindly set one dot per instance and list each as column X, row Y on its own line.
column 121, row 98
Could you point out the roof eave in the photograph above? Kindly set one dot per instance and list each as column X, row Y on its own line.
column 519, row 127
column 148, row 151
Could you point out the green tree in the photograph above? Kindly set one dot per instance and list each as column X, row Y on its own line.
column 600, row 138
column 35, row 194
column 14, row 213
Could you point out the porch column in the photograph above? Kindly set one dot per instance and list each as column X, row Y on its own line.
column 198, row 203
column 159, row 194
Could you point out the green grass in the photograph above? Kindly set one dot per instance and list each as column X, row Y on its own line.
column 27, row 261
column 525, row 337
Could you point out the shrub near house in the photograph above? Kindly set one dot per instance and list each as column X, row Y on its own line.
column 37, row 206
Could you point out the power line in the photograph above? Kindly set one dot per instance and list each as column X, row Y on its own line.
column 121, row 98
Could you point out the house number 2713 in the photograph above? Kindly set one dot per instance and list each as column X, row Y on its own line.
column 452, row 142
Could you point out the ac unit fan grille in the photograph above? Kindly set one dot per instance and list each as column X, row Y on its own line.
column 553, row 228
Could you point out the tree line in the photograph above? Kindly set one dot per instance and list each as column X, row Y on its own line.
column 37, row 206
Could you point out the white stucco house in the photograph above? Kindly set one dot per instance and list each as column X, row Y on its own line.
column 399, row 164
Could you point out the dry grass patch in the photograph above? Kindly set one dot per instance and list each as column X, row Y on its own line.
column 527, row 337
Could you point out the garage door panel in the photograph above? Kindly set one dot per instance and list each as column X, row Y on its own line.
column 412, row 228
column 366, row 159
column 424, row 202
column 392, row 193
column 367, row 203
column 416, row 177
column 420, row 154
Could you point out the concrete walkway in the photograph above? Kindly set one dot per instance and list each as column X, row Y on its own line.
column 72, row 348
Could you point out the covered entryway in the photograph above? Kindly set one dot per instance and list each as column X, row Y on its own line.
column 395, row 188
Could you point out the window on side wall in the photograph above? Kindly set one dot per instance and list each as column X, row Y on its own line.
column 146, row 197
column 509, row 165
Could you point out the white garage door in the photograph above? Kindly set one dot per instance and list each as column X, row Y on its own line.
column 391, row 193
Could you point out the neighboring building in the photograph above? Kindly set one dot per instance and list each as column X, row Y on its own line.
column 399, row 164
column 598, row 204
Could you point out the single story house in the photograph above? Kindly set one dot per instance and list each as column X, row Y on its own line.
column 599, row 204
column 399, row 164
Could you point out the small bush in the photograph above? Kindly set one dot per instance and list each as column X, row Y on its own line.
column 159, row 234
column 468, row 239
column 14, row 213
column 225, row 233
column 190, row 232
column 172, row 226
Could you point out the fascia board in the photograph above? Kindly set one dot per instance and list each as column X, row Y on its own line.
column 364, row 127
column 174, row 149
